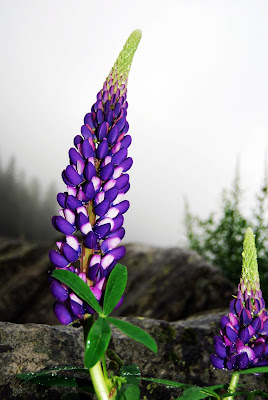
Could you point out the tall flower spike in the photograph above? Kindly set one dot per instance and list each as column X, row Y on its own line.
column 93, row 204
column 243, row 339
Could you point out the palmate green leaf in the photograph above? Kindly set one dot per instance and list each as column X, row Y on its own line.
column 131, row 392
column 115, row 288
column 257, row 370
column 97, row 342
column 194, row 393
column 77, row 284
column 60, row 380
column 167, row 382
column 30, row 375
column 131, row 373
column 134, row 332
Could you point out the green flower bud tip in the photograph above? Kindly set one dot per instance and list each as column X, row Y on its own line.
column 120, row 70
column 250, row 276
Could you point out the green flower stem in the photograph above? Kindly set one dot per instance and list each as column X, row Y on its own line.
column 99, row 377
column 98, row 382
column 104, row 368
column 233, row 385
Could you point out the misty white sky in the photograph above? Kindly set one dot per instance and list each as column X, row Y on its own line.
column 198, row 97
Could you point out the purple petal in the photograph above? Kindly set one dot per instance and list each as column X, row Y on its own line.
column 107, row 108
column 238, row 306
column 224, row 321
column 77, row 309
column 244, row 335
column 89, row 120
column 65, row 180
column 118, row 222
column 86, row 132
column 90, row 240
column 100, row 116
column 89, row 171
column 259, row 349
column 63, row 226
column 256, row 323
column 231, row 363
column 58, row 291
column 121, row 123
column 220, row 349
column 77, row 140
column 72, row 175
column 73, row 202
column 87, row 149
column 113, row 135
column 120, row 156
column 81, row 220
column 71, row 254
column 123, row 207
column 109, row 244
column 125, row 188
column 247, row 350
column 102, row 149
column 102, row 230
column 92, row 272
column 127, row 164
column 245, row 317
column 242, row 361
column 102, row 208
column 216, row 361
column 74, row 156
column 122, row 181
column 126, row 141
column 89, row 191
column 102, row 131
column 111, row 194
column 61, row 198
column 109, row 117
column 117, row 253
column 106, row 172
column 62, row 313
column 231, row 332
column 119, row 233
column 57, row 259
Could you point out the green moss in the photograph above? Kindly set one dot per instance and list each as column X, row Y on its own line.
column 189, row 336
column 167, row 334
column 174, row 357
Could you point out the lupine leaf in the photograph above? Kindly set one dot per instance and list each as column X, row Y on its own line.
column 134, row 332
column 97, row 342
column 233, row 394
column 115, row 288
column 131, row 373
column 132, row 392
column 193, row 393
column 78, row 286
column 256, row 370
column 60, row 380
column 167, row 382
column 30, row 375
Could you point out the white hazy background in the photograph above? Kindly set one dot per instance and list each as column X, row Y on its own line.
column 197, row 93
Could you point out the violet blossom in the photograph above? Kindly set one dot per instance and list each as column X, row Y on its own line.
column 93, row 206
column 243, row 339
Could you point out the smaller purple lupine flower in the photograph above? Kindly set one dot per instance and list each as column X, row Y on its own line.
column 243, row 339
column 93, row 205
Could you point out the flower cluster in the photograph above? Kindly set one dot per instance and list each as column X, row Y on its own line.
column 243, row 339
column 91, row 217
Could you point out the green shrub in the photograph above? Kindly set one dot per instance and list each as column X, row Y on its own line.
column 219, row 238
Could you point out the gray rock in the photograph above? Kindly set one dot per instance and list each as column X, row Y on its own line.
column 183, row 355
column 163, row 283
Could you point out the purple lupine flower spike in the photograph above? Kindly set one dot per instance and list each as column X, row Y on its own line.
column 243, row 339
column 93, row 204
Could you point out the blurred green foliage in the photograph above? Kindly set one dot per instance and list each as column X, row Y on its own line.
column 219, row 238
column 25, row 210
